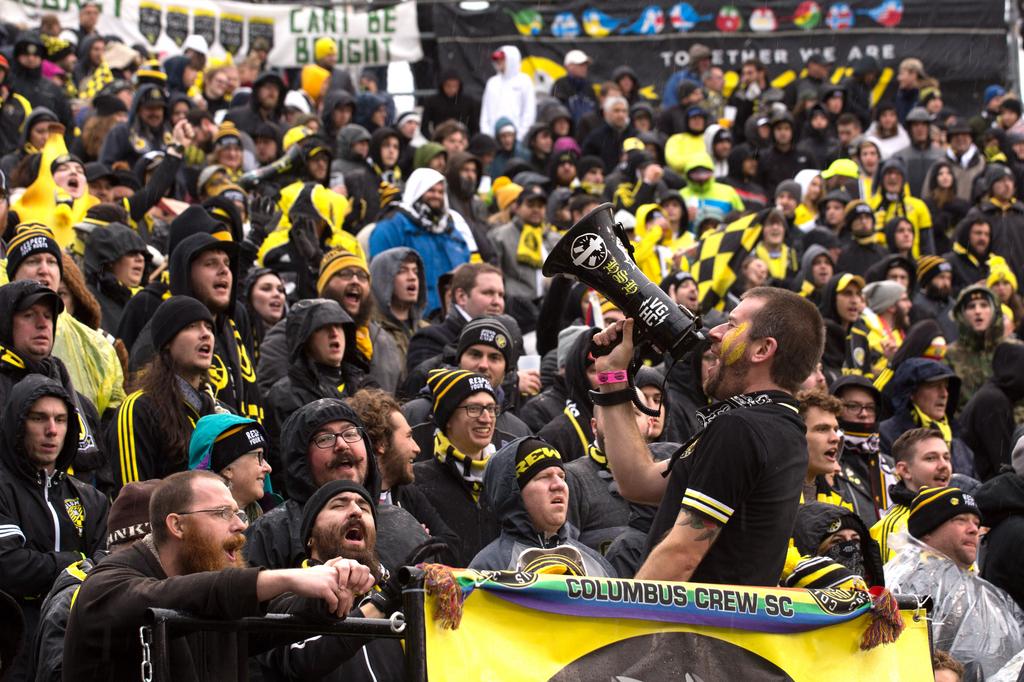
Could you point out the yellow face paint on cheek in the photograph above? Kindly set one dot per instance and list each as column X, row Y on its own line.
column 732, row 346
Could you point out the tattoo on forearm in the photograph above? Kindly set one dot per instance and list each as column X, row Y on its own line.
column 697, row 522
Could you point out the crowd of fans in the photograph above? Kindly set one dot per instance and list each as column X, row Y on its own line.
column 266, row 339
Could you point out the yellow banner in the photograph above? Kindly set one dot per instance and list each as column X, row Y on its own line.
column 502, row 638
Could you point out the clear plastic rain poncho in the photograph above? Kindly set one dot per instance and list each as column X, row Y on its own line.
column 978, row 623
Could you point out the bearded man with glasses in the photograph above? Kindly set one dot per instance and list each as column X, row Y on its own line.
column 321, row 442
column 192, row 561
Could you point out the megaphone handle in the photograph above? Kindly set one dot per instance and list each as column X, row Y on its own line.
column 634, row 366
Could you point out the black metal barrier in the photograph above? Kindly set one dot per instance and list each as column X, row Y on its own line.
column 168, row 624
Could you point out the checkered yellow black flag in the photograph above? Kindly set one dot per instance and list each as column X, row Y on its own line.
column 719, row 258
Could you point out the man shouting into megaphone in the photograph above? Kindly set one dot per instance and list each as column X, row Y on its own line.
column 729, row 496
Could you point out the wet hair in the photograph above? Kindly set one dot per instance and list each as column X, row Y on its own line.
column 903, row 449
column 797, row 327
column 819, row 399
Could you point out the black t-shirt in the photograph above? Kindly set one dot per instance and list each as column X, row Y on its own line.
column 745, row 472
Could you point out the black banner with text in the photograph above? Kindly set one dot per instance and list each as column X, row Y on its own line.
column 962, row 44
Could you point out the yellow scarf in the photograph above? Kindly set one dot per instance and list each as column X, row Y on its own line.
column 472, row 470
column 363, row 342
column 529, row 250
column 778, row 266
column 926, row 422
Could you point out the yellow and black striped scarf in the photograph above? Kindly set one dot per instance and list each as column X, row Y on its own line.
column 471, row 470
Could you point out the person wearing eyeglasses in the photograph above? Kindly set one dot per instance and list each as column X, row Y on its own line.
column 321, row 341
column 325, row 441
column 235, row 448
column 465, row 410
column 192, row 560
column 48, row 519
column 865, row 472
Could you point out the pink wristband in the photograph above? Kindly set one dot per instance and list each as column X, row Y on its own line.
column 618, row 376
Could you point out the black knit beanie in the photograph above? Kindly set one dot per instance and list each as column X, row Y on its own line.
column 173, row 315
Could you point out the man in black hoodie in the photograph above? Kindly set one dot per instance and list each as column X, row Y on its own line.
column 325, row 441
column 27, row 80
column 48, row 520
column 570, row 432
column 115, row 262
column 338, row 111
column 1001, row 500
column 987, row 420
column 864, row 250
column 971, row 250
column 1005, row 214
column 203, row 267
column 781, row 161
column 28, row 326
column 265, row 105
column 451, row 103
column 33, row 133
column 321, row 337
column 148, row 129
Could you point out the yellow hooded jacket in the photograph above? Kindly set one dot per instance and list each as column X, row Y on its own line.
column 45, row 202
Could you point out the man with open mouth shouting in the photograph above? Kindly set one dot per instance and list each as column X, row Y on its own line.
column 340, row 520
column 192, row 560
column 323, row 442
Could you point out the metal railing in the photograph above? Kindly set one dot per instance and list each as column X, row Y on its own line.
column 168, row 624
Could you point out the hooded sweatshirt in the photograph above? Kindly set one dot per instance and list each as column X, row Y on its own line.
column 232, row 374
column 1001, row 500
column 249, row 116
column 751, row 193
column 21, row 132
column 443, row 239
column 89, row 461
column 901, row 204
column 308, row 380
column 502, row 157
column 460, row 107
column 813, row 522
column 803, row 282
column 710, row 193
column 510, row 94
column 46, row 521
column 969, row 266
column 131, row 140
column 570, row 432
column 275, row 539
column 988, row 419
column 106, row 245
column 970, row 355
column 504, row 497
column 383, row 269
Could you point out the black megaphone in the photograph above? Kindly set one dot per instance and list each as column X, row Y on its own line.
column 597, row 252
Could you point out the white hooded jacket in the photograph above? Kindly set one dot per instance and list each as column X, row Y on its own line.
column 509, row 94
